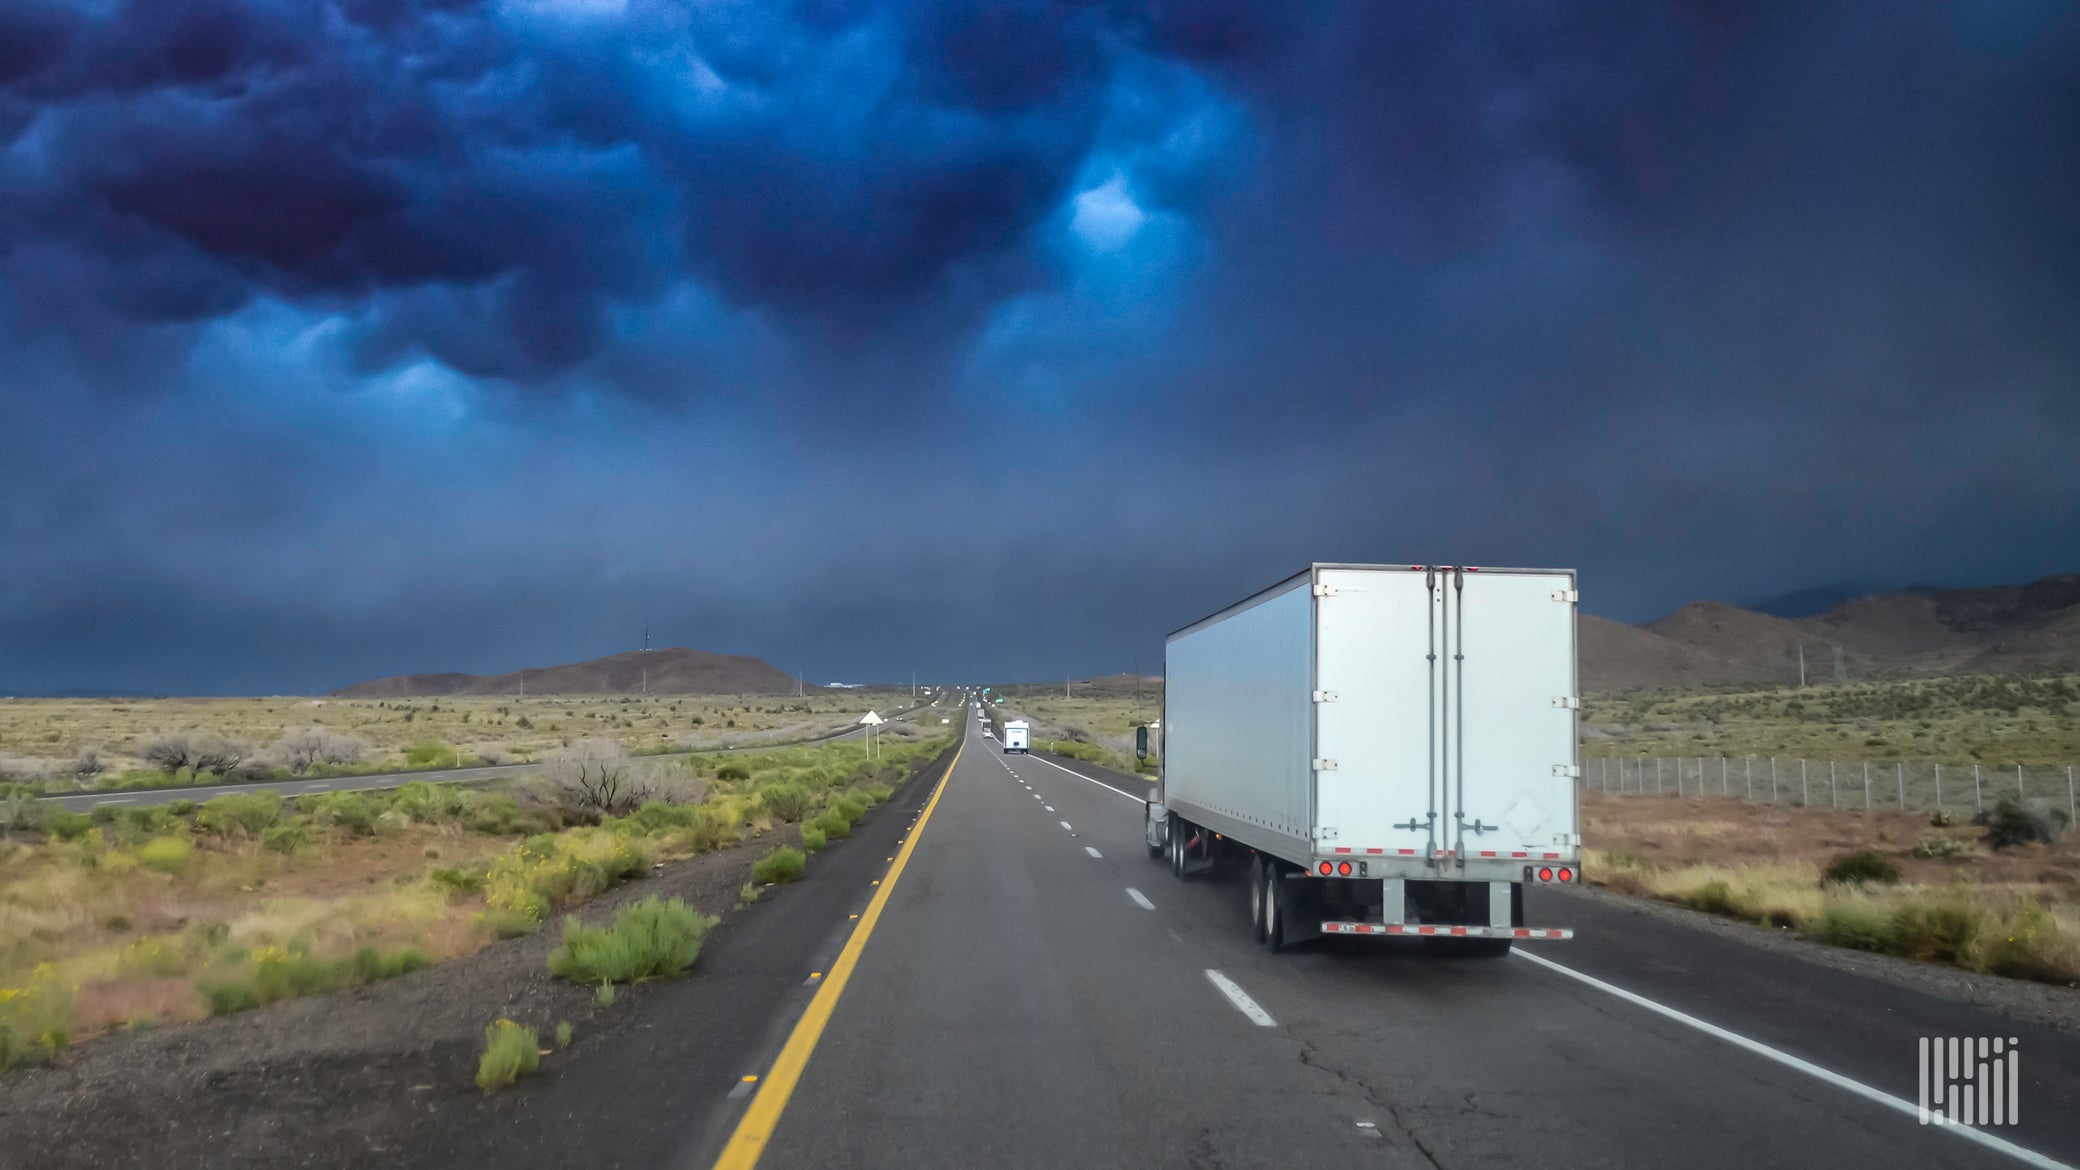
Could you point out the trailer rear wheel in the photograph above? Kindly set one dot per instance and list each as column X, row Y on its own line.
column 1273, row 933
column 1179, row 833
column 1256, row 896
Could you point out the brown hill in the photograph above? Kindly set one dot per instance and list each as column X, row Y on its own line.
column 671, row 671
column 1910, row 632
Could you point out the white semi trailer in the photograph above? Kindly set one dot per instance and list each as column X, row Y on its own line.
column 1391, row 749
column 1017, row 736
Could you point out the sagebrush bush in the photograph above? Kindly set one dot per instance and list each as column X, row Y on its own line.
column 66, row 825
column 510, row 1052
column 789, row 802
column 2014, row 821
column 650, row 939
column 287, row 837
column 813, row 838
column 832, row 825
column 1937, row 845
column 180, row 808
column 429, row 753
column 241, row 814
column 781, row 865
column 357, row 812
column 733, row 772
column 1860, row 867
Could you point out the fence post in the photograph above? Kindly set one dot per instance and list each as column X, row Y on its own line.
column 1978, row 800
column 2070, row 809
column 1900, row 770
column 1833, row 794
column 1805, row 790
column 1603, row 769
column 1773, row 779
column 1939, row 788
column 1751, row 778
column 1722, row 776
column 1866, row 786
column 1657, row 776
column 2018, row 781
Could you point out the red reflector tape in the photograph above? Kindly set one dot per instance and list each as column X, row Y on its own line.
column 1520, row 853
column 1340, row 849
column 1521, row 933
column 1549, row 856
column 1459, row 931
column 1406, row 852
column 1375, row 851
column 1487, row 853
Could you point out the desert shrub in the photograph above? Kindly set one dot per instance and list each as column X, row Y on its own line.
column 813, row 839
column 142, row 821
column 2022, row 943
column 494, row 815
column 658, row 817
column 180, row 808
column 544, row 873
column 563, row 1034
column 66, row 825
column 1937, row 845
column 369, row 965
column 168, row 753
column 104, row 814
column 649, row 939
column 165, row 854
column 852, row 806
column 1863, row 866
column 877, row 793
column 789, row 802
column 1862, row 928
column 430, row 753
column 1713, row 897
column 357, row 812
column 456, row 882
column 287, row 837
column 2015, row 821
column 281, row 973
column 832, row 825
column 242, row 814
column 1937, row 931
column 781, row 865
column 595, row 778
column 733, row 771
column 34, row 1018
column 510, row 1052
column 432, row 804
column 1941, row 820
column 227, row 997
column 504, row 924
column 312, row 746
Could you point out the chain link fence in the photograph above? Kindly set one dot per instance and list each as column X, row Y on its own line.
column 1924, row 785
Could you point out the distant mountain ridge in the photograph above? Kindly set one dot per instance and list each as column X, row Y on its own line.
column 1915, row 631
column 673, row 670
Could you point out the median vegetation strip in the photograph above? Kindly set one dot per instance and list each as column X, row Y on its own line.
column 1986, row 898
column 148, row 915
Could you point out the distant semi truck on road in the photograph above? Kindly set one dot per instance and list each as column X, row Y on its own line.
column 1390, row 749
column 1017, row 736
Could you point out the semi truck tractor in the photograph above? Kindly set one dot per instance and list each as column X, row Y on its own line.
column 1017, row 736
column 1390, row 750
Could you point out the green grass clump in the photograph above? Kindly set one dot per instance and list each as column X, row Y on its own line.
column 66, row 825
column 813, row 839
column 1862, row 867
column 355, row 812
column 430, row 753
column 33, row 1018
column 563, row 1034
column 878, row 793
column 165, row 854
column 832, row 825
column 781, row 865
column 239, row 814
column 510, row 1052
column 369, row 965
column 789, row 802
column 650, row 939
column 180, row 808
column 287, row 837
column 851, row 805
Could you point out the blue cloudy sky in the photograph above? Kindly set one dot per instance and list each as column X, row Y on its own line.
column 349, row 337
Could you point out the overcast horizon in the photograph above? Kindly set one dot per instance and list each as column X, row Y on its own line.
column 357, row 338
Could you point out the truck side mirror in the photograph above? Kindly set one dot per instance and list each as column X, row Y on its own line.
column 1141, row 742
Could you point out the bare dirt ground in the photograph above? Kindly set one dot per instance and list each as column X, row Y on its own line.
column 286, row 1085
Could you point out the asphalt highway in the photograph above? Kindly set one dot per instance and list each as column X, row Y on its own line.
column 1036, row 991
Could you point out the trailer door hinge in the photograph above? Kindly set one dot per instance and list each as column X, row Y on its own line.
column 1325, row 590
column 1569, row 595
column 1572, row 771
column 1325, row 696
column 1571, row 702
column 1325, row 765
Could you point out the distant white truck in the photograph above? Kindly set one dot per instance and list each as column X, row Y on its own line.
column 1390, row 749
column 1017, row 736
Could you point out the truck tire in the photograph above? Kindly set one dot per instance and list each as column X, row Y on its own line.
column 1177, row 837
column 1256, row 896
column 1272, row 934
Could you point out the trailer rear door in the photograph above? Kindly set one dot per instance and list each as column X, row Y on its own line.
column 1376, row 679
column 1511, row 704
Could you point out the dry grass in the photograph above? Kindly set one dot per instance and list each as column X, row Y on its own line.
column 2013, row 912
column 40, row 738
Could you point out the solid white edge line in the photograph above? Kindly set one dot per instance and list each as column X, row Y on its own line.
column 1093, row 852
column 1240, row 998
column 1140, row 899
column 1878, row 1096
column 1089, row 779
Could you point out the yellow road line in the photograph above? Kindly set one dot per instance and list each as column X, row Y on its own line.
column 762, row 1117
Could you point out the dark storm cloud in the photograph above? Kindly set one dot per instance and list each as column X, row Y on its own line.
column 459, row 335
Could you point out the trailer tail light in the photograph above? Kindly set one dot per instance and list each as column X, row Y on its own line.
column 1324, row 869
column 1343, row 868
column 1545, row 873
column 1566, row 874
